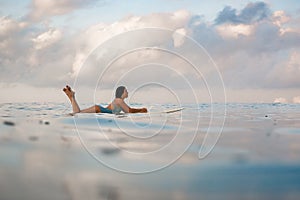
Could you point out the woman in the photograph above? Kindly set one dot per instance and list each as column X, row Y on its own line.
column 117, row 105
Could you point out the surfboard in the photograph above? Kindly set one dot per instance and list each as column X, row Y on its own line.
column 121, row 115
column 173, row 110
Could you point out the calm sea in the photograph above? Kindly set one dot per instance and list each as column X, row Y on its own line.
column 205, row 151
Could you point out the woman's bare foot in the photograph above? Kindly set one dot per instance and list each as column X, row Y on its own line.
column 69, row 92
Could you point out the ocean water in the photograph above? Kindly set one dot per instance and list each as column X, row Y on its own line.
column 206, row 151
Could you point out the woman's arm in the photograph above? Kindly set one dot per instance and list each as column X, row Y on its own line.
column 138, row 110
column 127, row 109
column 124, row 106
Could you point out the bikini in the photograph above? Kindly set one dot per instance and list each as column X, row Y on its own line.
column 116, row 110
column 104, row 110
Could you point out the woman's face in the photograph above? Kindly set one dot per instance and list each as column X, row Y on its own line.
column 125, row 93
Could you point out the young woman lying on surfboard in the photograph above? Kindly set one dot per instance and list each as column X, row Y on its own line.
column 115, row 107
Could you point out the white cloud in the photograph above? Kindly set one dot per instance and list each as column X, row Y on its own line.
column 8, row 25
column 294, row 63
column 99, row 33
column 42, row 9
column 179, row 37
column 296, row 99
column 279, row 17
column 181, row 16
column 233, row 30
column 250, row 55
column 262, row 59
column 287, row 72
column 10, row 36
column 33, row 55
column 286, row 23
column 47, row 38
column 280, row 100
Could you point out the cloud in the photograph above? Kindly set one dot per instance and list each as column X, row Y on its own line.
column 179, row 37
column 253, row 12
column 47, row 39
column 9, row 26
column 13, row 43
column 280, row 100
column 42, row 9
column 296, row 99
column 286, row 74
column 257, row 54
column 253, row 48
column 95, row 35
column 31, row 55
column 229, row 30
column 286, row 22
column 47, row 56
column 280, row 17
column 284, row 100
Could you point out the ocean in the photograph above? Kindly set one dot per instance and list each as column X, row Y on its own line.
column 205, row 151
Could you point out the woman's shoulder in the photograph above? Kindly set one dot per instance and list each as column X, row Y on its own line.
column 118, row 101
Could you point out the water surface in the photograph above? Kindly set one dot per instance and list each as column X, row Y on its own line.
column 46, row 154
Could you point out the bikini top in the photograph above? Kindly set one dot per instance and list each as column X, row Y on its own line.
column 117, row 109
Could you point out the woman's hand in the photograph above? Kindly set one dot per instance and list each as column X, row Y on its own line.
column 138, row 110
column 144, row 110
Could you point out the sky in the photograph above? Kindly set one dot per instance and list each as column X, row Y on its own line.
column 164, row 51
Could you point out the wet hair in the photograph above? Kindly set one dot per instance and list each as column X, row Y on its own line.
column 120, row 91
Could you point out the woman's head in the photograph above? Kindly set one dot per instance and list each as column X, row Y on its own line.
column 121, row 92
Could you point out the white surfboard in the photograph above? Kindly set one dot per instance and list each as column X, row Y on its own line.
column 173, row 110
column 121, row 115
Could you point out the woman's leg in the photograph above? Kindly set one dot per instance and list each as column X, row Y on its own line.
column 93, row 109
column 71, row 94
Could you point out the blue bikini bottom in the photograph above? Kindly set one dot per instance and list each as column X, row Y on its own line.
column 104, row 110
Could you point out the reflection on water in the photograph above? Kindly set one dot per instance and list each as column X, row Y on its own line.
column 45, row 154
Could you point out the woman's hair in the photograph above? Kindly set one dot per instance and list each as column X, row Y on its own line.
column 120, row 91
